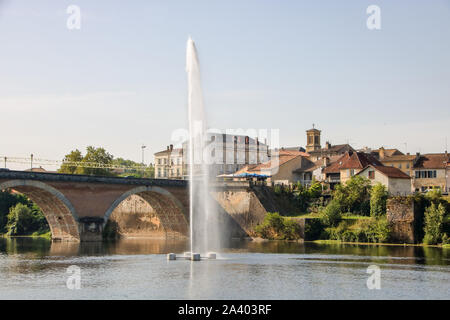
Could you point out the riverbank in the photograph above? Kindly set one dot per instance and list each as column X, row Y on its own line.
column 46, row 235
column 445, row 246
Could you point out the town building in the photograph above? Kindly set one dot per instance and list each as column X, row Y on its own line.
column 281, row 168
column 431, row 171
column 395, row 180
column 447, row 176
column 313, row 140
column 312, row 170
column 382, row 152
column 315, row 150
column 169, row 164
column 347, row 166
column 395, row 158
column 226, row 154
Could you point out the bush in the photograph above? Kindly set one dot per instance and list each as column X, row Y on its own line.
column 291, row 230
column 377, row 230
column 313, row 229
column 434, row 218
column 332, row 214
column 306, row 197
column 276, row 227
column 378, row 199
column 278, row 189
column 354, row 195
column 370, row 230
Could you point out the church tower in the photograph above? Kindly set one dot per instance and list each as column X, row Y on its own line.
column 312, row 139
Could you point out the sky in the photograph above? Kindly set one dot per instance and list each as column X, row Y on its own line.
column 119, row 81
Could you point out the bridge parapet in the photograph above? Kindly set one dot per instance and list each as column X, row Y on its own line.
column 61, row 177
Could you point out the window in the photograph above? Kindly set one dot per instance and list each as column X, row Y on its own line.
column 407, row 166
column 400, row 166
column 425, row 174
column 371, row 174
column 352, row 172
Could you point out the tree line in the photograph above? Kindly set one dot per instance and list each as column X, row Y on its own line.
column 77, row 163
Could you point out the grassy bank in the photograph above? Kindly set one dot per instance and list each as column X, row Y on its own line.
column 46, row 235
column 445, row 246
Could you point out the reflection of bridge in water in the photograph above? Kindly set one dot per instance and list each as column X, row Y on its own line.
column 77, row 207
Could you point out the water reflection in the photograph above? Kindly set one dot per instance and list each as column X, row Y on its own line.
column 137, row 268
column 37, row 248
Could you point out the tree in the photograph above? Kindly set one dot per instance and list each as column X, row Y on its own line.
column 19, row 220
column 354, row 195
column 378, row 199
column 304, row 196
column 73, row 156
column 97, row 156
column 92, row 163
column 136, row 170
column 332, row 214
column 434, row 218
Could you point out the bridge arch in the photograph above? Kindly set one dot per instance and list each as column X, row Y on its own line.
column 170, row 211
column 59, row 212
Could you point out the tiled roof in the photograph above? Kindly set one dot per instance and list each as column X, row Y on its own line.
column 352, row 160
column 334, row 149
column 403, row 157
column 307, row 166
column 432, row 161
column 387, row 152
column 165, row 152
column 283, row 157
column 390, row 172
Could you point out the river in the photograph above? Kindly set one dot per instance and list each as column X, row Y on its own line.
column 34, row 268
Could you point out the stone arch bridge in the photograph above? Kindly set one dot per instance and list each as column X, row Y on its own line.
column 77, row 207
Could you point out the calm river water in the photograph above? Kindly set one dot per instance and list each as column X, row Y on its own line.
column 138, row 269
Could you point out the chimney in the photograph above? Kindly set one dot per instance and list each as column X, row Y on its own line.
column 167, row 148
column 171, row 147
column 326, row 161
column 381, row 153
column 327, row 145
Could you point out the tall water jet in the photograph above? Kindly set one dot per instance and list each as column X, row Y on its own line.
column 204, row 231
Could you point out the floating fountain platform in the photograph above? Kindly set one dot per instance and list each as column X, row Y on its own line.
column 191, row 256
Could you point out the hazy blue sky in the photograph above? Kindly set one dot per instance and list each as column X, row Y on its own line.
column 120, row 81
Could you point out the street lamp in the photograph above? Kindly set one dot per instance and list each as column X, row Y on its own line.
column 143, row 147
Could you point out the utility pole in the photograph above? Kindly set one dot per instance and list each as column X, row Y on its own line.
column 143, row 170
column 31, row 162
column 143, row 147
